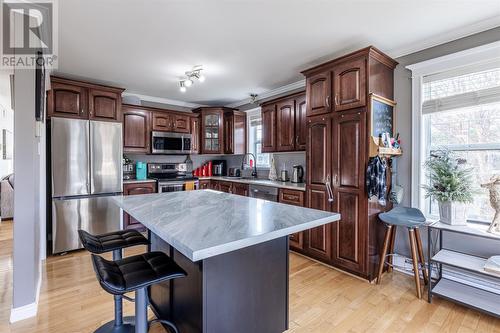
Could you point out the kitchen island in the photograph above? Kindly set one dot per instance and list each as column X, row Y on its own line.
column 235, row 251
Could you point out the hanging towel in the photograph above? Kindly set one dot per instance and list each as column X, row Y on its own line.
column 189, row 186
column 376, row 179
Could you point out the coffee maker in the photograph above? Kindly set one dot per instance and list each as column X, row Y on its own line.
column 219, row 168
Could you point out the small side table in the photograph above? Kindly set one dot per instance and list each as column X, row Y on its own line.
column 466, row 295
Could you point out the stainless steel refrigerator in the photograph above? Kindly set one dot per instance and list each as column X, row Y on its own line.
column 86, row 163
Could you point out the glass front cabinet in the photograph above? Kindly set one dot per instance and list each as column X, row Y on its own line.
column 211, row 130
column 222, row 130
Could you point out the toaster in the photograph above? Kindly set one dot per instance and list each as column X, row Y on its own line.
column 234, row 172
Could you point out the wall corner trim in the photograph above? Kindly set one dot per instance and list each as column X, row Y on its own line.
column 280, row 90
column 162, row 100
column 28, row 310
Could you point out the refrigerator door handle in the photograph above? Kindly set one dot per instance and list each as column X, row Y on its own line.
column 90, row 183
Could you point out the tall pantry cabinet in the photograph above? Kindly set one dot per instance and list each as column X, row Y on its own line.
column 337, row 155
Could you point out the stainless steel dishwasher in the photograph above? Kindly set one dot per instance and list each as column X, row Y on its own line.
column 264, row 192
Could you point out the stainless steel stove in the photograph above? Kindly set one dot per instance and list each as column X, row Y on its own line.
column 172, row 177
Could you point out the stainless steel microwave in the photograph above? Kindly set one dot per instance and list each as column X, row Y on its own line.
column 170, row 143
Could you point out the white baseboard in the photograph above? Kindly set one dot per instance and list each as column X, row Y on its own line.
column 28, row 310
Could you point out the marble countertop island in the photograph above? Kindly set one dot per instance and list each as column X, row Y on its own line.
column 205, row 223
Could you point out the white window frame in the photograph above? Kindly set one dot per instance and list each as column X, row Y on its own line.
column 475, row 56
column 252, row 114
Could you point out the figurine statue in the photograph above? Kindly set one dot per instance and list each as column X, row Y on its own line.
column 494, row 187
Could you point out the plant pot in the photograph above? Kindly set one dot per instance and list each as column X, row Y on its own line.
column 453, row 213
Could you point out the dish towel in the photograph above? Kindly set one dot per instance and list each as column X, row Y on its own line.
column 189, row 186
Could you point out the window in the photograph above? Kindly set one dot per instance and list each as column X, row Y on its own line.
column 461, row 112
column 255, row 140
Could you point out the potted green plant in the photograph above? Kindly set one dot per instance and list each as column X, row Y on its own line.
column 450, row 185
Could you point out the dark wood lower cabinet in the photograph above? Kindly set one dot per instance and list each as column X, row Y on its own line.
column 204, row 184
column 135, row 189
column 318, row 241
column 296, row 198
column 225, row 187
column 240, row 189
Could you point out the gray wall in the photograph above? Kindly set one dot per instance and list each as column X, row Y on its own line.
column 29, row 200
column 402, row 90
column 282, row 159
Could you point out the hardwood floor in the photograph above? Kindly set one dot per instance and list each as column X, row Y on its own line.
column 322, row 300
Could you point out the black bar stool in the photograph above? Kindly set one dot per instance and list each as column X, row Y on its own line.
column 115, row 242
column 137, row 273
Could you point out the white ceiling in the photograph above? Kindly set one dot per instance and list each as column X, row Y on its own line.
column 245, row 46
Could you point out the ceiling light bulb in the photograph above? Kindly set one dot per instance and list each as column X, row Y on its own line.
column 188, row 83
column 182, row 86
column 201, row 78
column 183, row 89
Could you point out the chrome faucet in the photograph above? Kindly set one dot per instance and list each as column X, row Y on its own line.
column 254, row 171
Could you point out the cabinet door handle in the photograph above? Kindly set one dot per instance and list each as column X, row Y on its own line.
column 336, row 99
column 328, row 101
column 329, row 189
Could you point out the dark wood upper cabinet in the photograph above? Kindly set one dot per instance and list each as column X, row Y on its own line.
column 171, row 122
column 350, row 84
column 318, row 92
column 195, row 135
column 235, row 132
column 134, row 189
column 136, row 129
column 285, row 125
column 300, row 123
column 268, row 113
column 181, row 123
column 67, row 100
column 83, row 100
column 104, row 105
column 162, row 121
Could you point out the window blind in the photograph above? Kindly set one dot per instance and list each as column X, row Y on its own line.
column 473, row 98
column 461, row 88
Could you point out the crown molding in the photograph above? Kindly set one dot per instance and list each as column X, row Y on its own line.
column 446, row 37
column 270, row 93
column 162, row 100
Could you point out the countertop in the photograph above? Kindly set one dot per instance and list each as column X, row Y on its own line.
column 205, row 223
column 264, row 182
column 136, row 181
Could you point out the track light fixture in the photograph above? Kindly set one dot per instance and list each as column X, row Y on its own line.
column 194, row 74
column 182, row 85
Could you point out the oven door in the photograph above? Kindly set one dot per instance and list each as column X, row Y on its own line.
column 170, row 143
column 170, row 187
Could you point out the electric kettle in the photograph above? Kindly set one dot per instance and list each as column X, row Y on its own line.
column 298, row 174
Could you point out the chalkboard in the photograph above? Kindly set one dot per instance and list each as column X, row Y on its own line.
column 382, row 116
